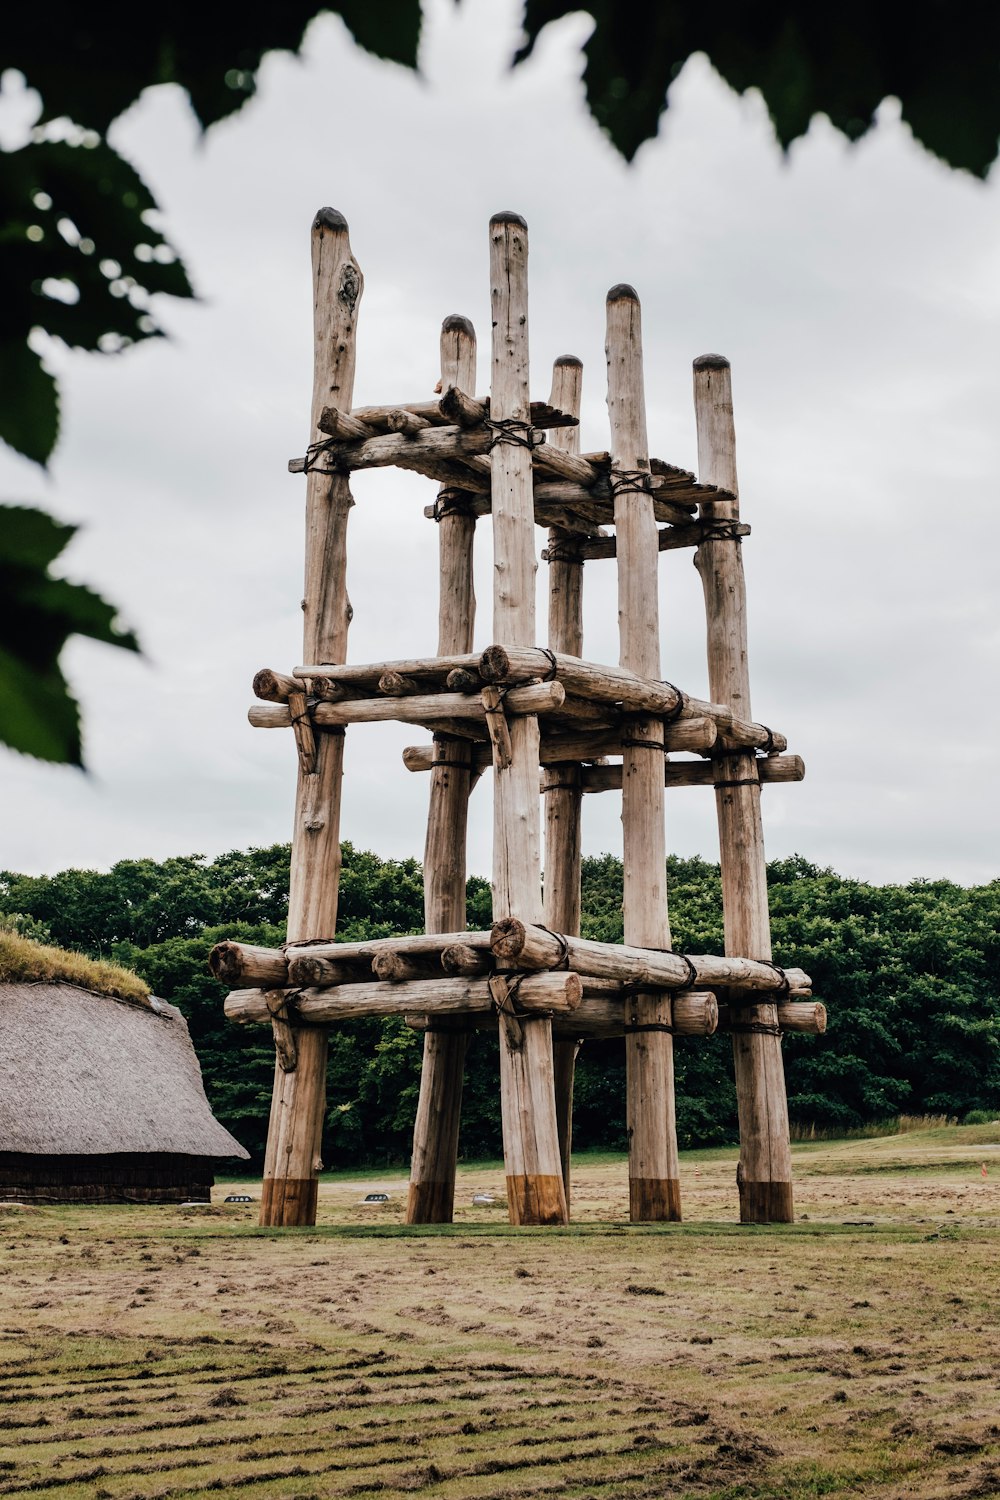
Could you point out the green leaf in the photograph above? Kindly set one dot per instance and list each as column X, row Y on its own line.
column 38, row 714
column 29, row 406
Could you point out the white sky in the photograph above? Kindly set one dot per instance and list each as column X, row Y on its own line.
column 855, row 291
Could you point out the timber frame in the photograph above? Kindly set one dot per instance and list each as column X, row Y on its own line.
column 547, row 721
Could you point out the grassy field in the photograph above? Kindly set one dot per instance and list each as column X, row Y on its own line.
column 182, row 1352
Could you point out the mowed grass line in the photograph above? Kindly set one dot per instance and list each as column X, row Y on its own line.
column 148, row 1353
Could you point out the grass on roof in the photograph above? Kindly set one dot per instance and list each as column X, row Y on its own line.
column 23, row 961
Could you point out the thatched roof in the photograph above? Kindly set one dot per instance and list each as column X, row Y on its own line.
column 89, row 1074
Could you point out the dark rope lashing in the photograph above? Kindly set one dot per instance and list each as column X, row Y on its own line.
column 510, row 430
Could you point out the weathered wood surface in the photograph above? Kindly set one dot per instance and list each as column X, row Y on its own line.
column 535, row 1191
column 654, row 1180
column 602, row 1014
column 668, row 539
column 807, row 1016
column 431, row 1197
column 695, row 735
column 526, row 947
column 246, row 965
column 771, row 769
column 765, row 1176
column 294, row 1133
column 537, row 994
column 538, row 698
column 562, row 797
column 634, row 692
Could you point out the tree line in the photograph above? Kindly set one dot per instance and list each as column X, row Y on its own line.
column 910, row 975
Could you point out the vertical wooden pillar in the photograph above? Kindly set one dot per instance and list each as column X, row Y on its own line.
column 435, row 1134
column 298, row 1103
column 654, row 1188
column 535, row 1191
column 765, row 1175
column 563, row 794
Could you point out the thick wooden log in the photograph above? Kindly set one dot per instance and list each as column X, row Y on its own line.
column 309, row 970
column 406, row 422
column 243, row 965
column 431, row 1197
column 562, row 795
column 696, row 735
column 298, row 1103
column 632, row 692
column 461, row 958
column 808, row 1016
column 398, row 968
column 654, row 1180
column 416, row 944
column 426, row 669
column 770, row 769
column 525, row 947
column 538, row 698
column 537, row 995
column 765, row 1175
column 601, row 1014
column 535, row 1191
column 668, row 539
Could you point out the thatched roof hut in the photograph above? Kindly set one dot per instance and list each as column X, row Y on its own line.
column 102, row 1095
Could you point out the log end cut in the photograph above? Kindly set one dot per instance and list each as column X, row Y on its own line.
column 507, row 939
column 494, row 664
column 225, row 962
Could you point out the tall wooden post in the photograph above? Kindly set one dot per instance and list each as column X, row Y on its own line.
column 435, row 1134
column 535, row 1191
column 765, row 1175
column 654, row 1188
column 298, row 1103
column 562, row 786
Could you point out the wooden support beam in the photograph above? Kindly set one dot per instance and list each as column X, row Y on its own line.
column 537, row 995
column 765, row 1175
column 535, row 1191
column 538, row 698
column 654, row 1179
column 294, row 1136
column 431, row 1197
column 525, row 947
column 633, row 692
column 561, row 786
column 695, row 735
column 668, row 539
column 602, row 1014
column 808, row 1016
column 770, row 769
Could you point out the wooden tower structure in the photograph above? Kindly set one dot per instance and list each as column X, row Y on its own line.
column 553, row 726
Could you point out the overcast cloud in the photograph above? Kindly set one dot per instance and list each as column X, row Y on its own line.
column 856, row 292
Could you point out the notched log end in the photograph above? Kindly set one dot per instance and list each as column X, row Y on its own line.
column 494, row 664
column 457, row 323
column 507, row 938
column 711, row 362
column 330, row 218
column 623, row 293
column 508, row 216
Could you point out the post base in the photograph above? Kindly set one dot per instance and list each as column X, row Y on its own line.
column 653, row 1200
column 431, row 1202
column 536, row 1199
column 766, row 1203
column 288, row 1201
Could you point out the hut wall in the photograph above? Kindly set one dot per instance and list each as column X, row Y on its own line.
column 133, row 1177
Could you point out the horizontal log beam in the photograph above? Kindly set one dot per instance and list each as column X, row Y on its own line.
column 770, row 769
column 601, row 1016
column 808, row 1016
column 536, row 994
column 697, row 736
column 606, row 684
column 243, row 965
column 668, row 538
column 522, row 946
column 540, row 698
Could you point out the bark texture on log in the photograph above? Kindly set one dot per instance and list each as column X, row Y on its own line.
column 765, row 1175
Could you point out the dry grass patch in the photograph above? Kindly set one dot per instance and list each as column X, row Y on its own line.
column 153, row 1352
column 23, row 961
